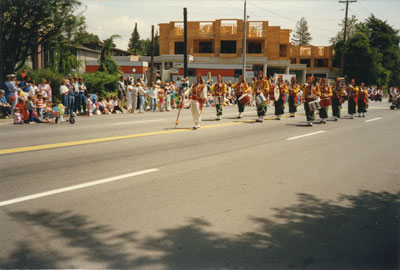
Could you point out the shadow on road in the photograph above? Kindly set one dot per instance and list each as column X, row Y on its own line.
column 353, row 232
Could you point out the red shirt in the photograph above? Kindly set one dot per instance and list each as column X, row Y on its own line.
column 24, row 113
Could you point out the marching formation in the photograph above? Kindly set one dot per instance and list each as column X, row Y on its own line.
column 317, row 95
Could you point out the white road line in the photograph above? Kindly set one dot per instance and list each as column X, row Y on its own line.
column 305, row 135
column 137, row 122
column 84, row 185
column 370, row 120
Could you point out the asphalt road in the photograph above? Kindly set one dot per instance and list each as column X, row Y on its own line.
column 131, row 191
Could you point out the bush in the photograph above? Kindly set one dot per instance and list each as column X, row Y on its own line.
column 48, row 74
column 101, row 83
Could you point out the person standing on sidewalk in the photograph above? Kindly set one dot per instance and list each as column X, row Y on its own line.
column 121, row 91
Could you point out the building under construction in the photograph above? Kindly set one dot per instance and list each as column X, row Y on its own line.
column 217, row 47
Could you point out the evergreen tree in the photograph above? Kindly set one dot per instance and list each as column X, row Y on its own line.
column 134, row 41
column 301, row 35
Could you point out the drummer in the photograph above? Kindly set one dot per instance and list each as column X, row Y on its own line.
column 279, row 104
column 309, row 94
column 241, row 88
column 353, row 95
column 218, row 90
column 293, row 90
column 324, row 91
column 337, row 100
column 362, row 100
column 260, row 90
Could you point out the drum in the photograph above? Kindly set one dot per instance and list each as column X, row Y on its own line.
column 325, row 102
column 314, row 105
column 244, row 99
column 218, row 100
column 260, row 99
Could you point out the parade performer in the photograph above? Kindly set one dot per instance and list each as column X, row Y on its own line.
column 241, row 88
column 309, row 95
column 293, row 90
column 337, row 100
column 362, row 100
column 198, row 91
column 279, row 104
column 325, row 93
column 353, row 95
column 260, row 90
column 219, row 90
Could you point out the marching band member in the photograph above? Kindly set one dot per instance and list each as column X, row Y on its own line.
column 260, row 90
column 219, row 90
column 362, row 100
column 309, row 94
column 353, row 94
column 279, row 104
column 198, row 91
column 241, row 88
column 324, row 92
column 293, row 90
column 336, row 100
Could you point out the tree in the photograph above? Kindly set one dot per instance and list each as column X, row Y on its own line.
column 134, row 41
column 386, row 40
column 107, row 63
column 26, row 24
column 87, row 39
column 379, row 59
column 301, row 35
column 362, row 61
column 352, row 26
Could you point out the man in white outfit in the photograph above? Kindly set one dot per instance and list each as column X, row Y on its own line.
column 198, row 91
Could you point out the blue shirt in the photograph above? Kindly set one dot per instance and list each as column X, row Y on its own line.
column 22, row 84
column 3, row 100
column 7, row 88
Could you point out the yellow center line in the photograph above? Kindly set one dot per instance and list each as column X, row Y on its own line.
column 108, row 139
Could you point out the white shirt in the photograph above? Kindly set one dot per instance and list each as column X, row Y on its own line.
column 153, row 92
column 63, row 89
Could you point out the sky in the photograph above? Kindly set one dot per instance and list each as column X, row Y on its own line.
column 108, row 17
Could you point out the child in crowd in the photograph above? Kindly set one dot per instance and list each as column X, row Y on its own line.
column 161, row 99
column 39, row 105
column 115, row 105
column 33, row 89
column 18, row 116
column 109, row 105
column 30, row 107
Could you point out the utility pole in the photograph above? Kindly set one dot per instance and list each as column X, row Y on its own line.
column 244, row 41
column 152, row 57
column 344, row 34
column 185, row 63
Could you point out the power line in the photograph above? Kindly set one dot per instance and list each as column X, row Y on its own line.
column 288, row 18
column 364, row 9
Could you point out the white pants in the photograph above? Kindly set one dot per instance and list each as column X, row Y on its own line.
column 134, row 102
column 129, row 100
column 196, row 113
